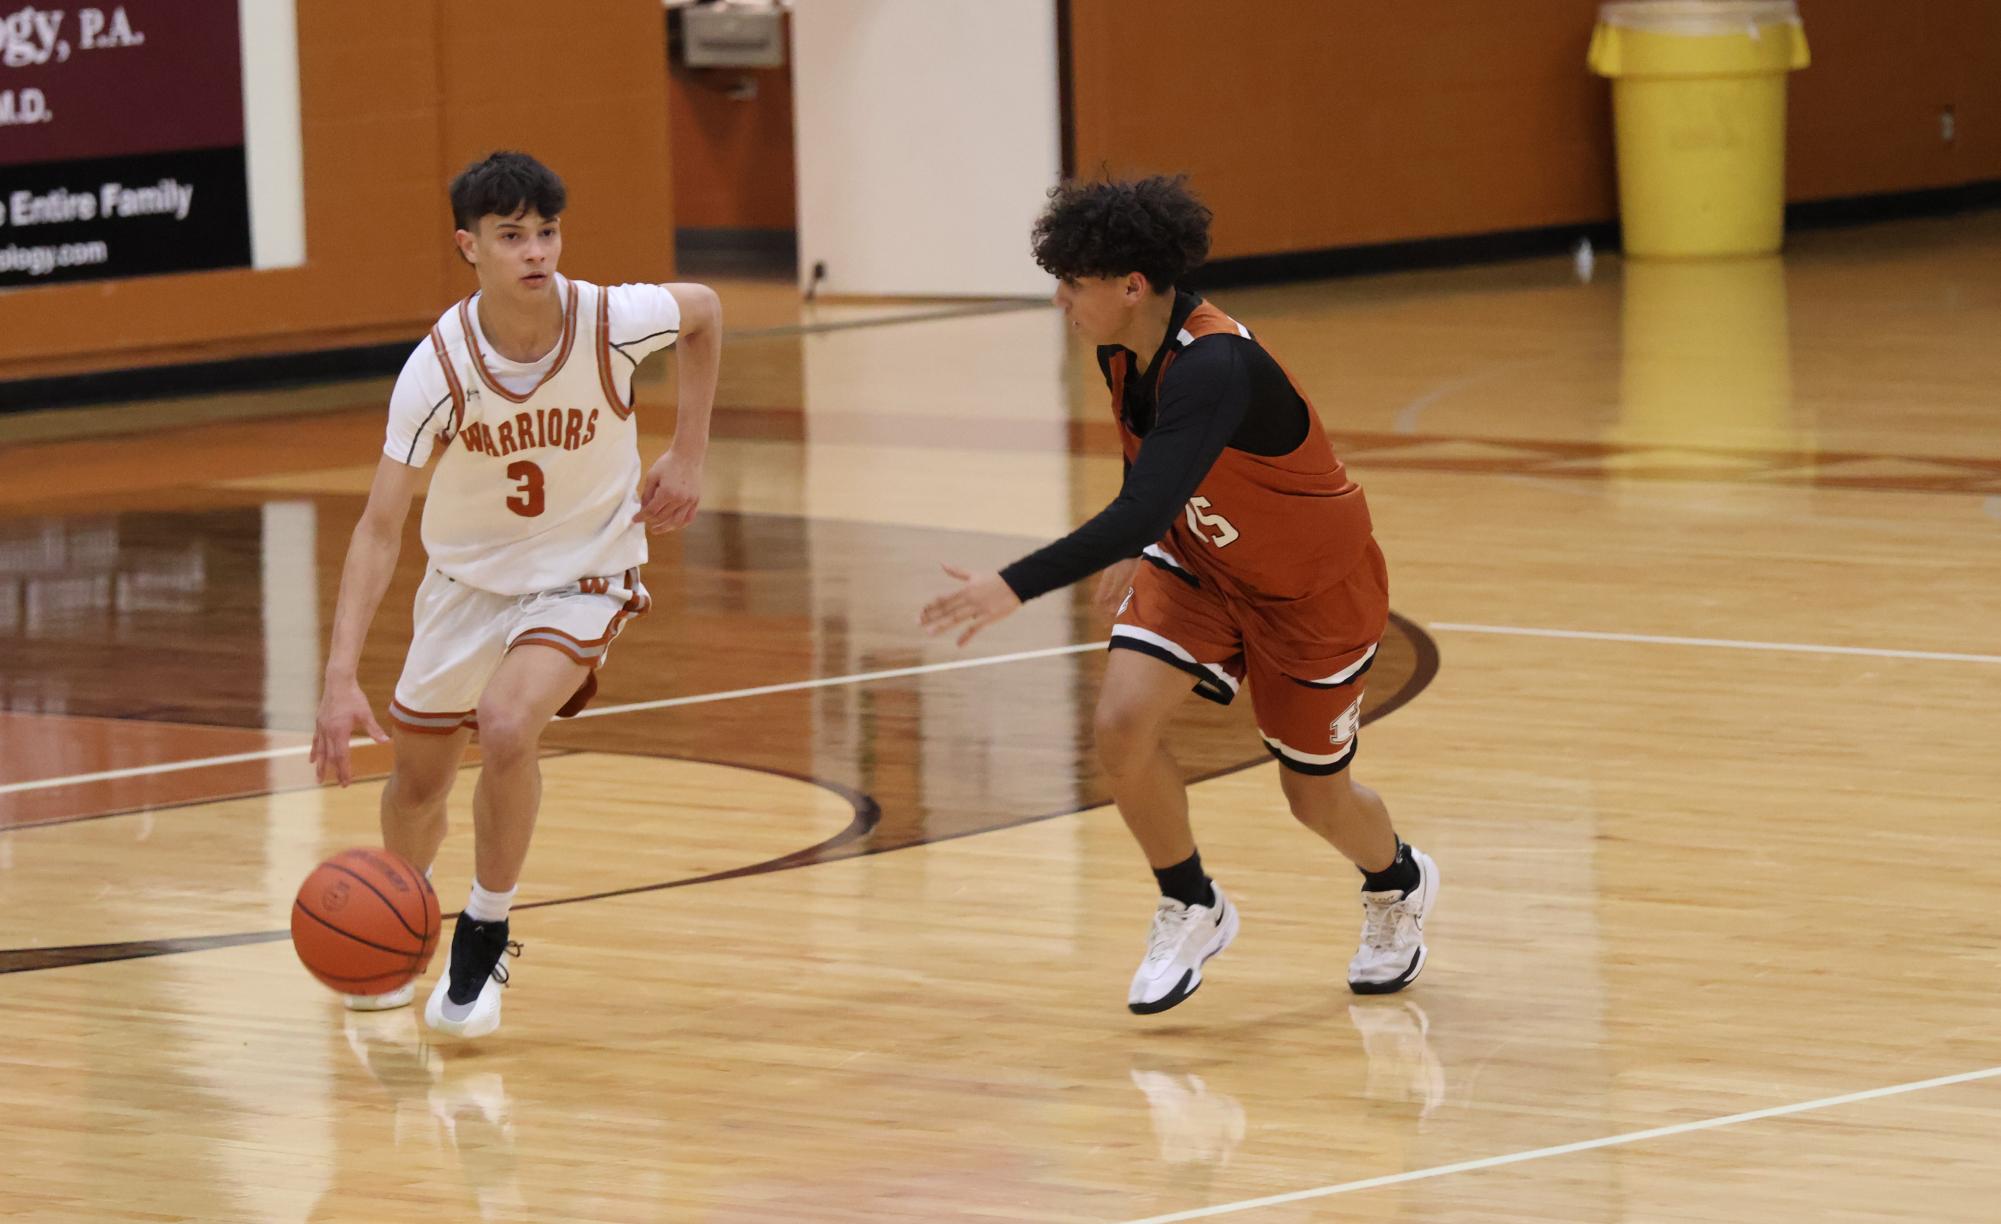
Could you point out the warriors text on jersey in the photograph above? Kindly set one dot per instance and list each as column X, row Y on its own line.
column 538, row 470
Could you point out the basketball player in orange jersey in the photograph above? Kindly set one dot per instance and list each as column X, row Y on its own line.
column 1243, row 554
column 535, row 525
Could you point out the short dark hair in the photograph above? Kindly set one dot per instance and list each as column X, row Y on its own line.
column 505, row 184
column 1153, row 226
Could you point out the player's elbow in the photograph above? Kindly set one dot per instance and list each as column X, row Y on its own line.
column 1152, row 532
column 1129, row 546
column 1138, row 526
column 701, row 310
column 378, row 530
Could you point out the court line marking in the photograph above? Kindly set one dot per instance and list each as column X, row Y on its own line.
column 266, row 754
column 1566, row 1149
column 794, row 686
column 235, row 758
column 1406, row 419
column 1941, row 656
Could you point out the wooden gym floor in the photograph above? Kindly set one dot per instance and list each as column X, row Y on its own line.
column 1694, row 694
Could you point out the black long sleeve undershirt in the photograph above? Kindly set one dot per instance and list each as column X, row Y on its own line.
column 1215, row 395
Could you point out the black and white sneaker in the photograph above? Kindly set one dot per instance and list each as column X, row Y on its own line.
column 1181, row 939
column 1392, row 952
column 466, row 1002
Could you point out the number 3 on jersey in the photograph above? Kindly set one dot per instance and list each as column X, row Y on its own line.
column 1198, row 518
column 527, row 500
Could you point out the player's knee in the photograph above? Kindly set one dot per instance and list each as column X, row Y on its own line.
column 1316, row 799
column 413, row 791
column 1126, row 735
column 507, row 733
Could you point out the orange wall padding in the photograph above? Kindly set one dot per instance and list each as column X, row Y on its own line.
column 1310, row 124
column 734, row 157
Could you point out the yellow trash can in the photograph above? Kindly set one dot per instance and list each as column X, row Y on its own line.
column 1699, row 108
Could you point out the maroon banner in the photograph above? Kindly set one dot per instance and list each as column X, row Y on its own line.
column 86, row 82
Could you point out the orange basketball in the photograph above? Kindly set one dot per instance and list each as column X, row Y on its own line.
column 365, row 922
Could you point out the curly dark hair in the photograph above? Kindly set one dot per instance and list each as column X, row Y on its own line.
column 505, row 184
column 1153, row 226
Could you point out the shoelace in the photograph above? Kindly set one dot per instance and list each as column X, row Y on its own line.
column 1382, row 921
column 512, row 948
column 1169, row 921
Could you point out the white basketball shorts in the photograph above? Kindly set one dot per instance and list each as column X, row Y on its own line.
column 461, row 634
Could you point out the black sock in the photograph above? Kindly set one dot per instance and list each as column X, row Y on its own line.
column 1400, row 876
column 1185, row 882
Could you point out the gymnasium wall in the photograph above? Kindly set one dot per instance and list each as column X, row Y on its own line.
column 1310, row 124
column 1307, row 123
column 1865, row 117
column 395, row 97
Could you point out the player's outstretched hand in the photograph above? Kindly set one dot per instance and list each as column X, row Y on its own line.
column 343, row 708
column 979, row 601
column 1113, row 584
column 669, row 494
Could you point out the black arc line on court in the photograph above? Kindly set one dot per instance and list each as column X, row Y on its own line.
column 867, row 815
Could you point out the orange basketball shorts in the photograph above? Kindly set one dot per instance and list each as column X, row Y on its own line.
column 1305, row 663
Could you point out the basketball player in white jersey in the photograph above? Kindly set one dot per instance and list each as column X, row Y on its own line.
column 535, row 525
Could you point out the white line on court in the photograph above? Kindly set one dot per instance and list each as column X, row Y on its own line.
column 1405, row 420
column 1587, row 635
column 1565, row 1149
column 858, row 678
column 138, row 771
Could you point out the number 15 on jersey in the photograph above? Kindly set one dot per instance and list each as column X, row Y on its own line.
column 1199, row 517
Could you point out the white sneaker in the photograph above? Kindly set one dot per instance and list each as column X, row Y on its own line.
column 399, row 997
column 1392, row 952
column 466, row 1001
column 1182, row 938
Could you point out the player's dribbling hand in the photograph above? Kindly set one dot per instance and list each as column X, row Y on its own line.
column 980, row 601
column 669, row 494
column 1113, row 584
column 343, row 707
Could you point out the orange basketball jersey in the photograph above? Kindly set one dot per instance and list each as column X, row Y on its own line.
column 1260, row 528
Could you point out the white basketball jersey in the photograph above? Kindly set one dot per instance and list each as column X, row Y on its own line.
column 536, row 490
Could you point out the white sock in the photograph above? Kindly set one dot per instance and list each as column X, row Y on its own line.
column 486, row 905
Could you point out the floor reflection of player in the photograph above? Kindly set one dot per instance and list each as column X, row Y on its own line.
column 1192, row 1124
column 1199, row 1125
column 1402, row 1066
column 434, row 1105
column 474, row 1111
